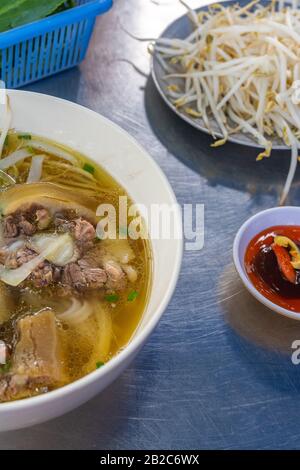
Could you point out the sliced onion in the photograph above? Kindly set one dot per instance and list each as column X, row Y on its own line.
column 36, row 169
column 62, row 255
column 14, row 277
column 77, row 313
column 52, row 149
column 14, row 158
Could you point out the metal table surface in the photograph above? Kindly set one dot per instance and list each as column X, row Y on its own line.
column 217, row 372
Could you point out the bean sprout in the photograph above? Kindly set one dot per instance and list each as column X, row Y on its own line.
column 240, row 66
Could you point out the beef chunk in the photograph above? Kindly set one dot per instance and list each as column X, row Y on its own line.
column 14, row 259
column 10, row 227
column 44, row 275
column 82, row 230
column 92, row 266
column 93, row 272
column 26, row 222
column 81, row 275
column 36, row 353
column 26, row 227
column 116, row 278
column 36, row 361
column 72, row 276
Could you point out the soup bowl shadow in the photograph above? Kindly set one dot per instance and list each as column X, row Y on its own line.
column 252, row 320
column 260, row 340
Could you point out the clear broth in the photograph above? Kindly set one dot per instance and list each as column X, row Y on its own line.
column 80, row 355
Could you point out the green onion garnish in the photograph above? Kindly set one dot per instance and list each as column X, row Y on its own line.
column 5, row 368
column 132, row 296
column 112, row 298
column 24, row 136
column 99, row 364
column 89, row 168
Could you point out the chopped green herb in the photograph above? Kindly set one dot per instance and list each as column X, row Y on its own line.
column 6, row 140
column 24, row 136
column 5, row 368
column 132, row 296
column 30, row 149
column 112, row 298
column 89, row 168
column 99, row 364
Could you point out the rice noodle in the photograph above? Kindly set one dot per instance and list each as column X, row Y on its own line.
column 240, row 66
column 15, row 157
column 52, row 149
column 74, row 169
column 36, row 169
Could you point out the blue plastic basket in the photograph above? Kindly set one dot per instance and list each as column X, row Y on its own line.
column 48, row 46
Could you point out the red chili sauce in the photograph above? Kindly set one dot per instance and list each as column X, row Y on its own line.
column 265, row 272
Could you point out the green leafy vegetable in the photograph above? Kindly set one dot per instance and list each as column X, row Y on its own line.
column 7, row 5
column 132, row 295
column 66, row 5
column 15, row 13
column 99, row 364
column 89, row 168
column 112, row 298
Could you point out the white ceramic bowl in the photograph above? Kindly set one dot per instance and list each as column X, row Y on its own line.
column 128, row 163
column 254, row 225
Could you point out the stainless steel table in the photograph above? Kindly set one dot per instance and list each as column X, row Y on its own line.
column 217, row 372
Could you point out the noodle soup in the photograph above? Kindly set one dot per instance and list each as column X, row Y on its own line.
column 69, row 299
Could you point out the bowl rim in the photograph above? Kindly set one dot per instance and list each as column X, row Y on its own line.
column 240, row 267
column 139, row 339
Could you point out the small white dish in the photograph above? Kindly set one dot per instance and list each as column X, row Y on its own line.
column 115, row 150
column 253, row 226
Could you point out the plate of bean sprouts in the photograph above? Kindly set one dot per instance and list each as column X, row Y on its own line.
column 232, row 70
